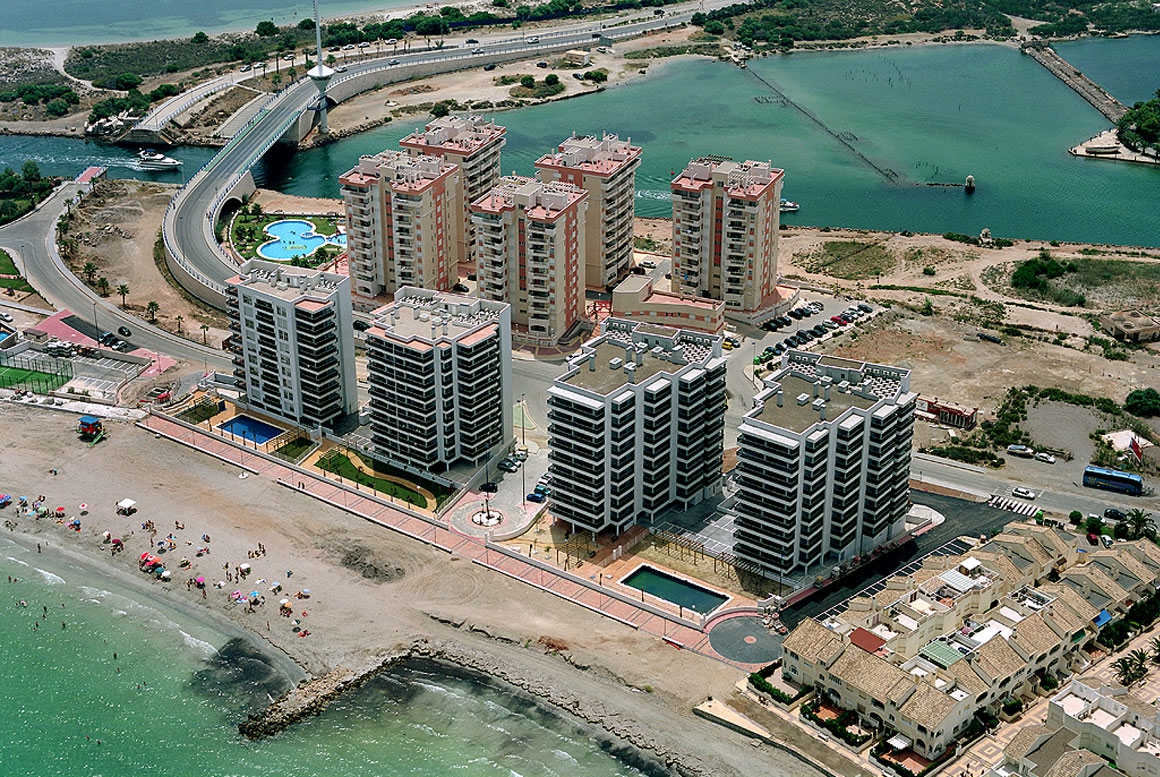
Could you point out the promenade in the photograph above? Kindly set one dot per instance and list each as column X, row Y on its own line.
column 672, row 628
column 1086, row 88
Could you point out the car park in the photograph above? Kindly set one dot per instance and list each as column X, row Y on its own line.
column 830, row 325
column 1022, row 493
column 1045, row 457
column 1112, row 514
column 820, row 330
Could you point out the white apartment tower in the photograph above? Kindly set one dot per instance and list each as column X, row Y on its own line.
column 293, row 329
column 726, row 216
column 403, row 223
column 605, row 167
column 439, row 369
column 529, row 249
column 474, row 144
column 823, row 463
column 636, row 425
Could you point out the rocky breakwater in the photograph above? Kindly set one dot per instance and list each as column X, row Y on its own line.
column 624, row 737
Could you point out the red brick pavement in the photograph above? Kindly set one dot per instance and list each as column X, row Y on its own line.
column 471, row 548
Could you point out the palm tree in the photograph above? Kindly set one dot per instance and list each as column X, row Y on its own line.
column 152, row 309
column 1132, row 668
column 103, row 286
column 89, row 271
column 179, row 320
column 1140, row 525
column 205, row 334
column 123, row 290
column 1155, row 645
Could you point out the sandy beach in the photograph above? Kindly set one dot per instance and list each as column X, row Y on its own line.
column 372, row 592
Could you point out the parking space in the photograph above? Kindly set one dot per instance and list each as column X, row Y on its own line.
column 810, row 322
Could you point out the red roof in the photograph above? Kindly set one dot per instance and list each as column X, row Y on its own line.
column 866, row 640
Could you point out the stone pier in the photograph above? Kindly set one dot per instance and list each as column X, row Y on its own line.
column 1086, row 88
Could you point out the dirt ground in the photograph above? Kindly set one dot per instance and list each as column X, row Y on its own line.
column 116, row 228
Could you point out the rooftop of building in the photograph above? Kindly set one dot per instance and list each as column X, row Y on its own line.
column 458, row 135
column 538, row 200
column 603, row 155
column 428, row 317
column 740, row 179
column 812, row 641
column 404, row 172
column 1133, row 320
column 287, row 282
column 804, row 402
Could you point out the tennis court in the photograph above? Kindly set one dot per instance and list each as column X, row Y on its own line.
column 31, row 380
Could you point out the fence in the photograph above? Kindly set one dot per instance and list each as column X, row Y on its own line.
column 38, row 375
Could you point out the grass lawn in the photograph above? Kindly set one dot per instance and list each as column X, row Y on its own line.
column 440, row 491
column 16, row 284
column 199, row 413
column 7, row 266
column 16, row 377
column 294, row 450
column 248, row 233
column 338, row 464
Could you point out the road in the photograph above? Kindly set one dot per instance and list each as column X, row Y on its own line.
column 31, row 240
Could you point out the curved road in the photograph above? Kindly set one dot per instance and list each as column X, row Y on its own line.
column 188, row 225
column 32, row 240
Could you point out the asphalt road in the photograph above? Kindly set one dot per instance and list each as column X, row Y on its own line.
column 32, row 241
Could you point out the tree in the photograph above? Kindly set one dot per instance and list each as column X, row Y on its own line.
column 103, row 286
column 199, row 38
column 30, row 171
column 430, row 26
column 205, row 333
column 1094, row 525
column 1132, row 668
column 123, row 290
column 266, row 29
column 1140, row 525
column 1155, row 645
column 440, row 109
column 552, row 79
column 528, row 82
column 152, row 309
column 89, row 271
column 714, row 28
column 179, row 320
column 1143, row 402
column 306, row 24
column 330, row 60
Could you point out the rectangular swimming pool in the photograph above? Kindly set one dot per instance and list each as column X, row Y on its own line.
column 250, row 429
column 673, row 589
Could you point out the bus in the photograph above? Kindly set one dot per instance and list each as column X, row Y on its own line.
column 1113, row 480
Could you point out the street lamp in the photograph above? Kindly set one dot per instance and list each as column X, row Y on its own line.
column 97, row 334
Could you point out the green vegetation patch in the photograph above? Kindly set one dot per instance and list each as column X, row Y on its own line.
column 16, row 377
column 7, row 264
column 199, row 413
column 852, row 260
column 341, row 465
column 530, row 88
column 293, row 450
column 1034, row 277
column 21, row 191
column 700, row 49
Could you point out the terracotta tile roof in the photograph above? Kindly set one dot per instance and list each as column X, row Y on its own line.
column 866, row 640
column 1147, row 552
column 1073, row 764
column 1034, row 636
column 813, row 641
column 999, row 562
column 967, row 678
column 998, row 659
column 1131, row 564
column 928, row 706
column 1098, row 580
column 1072, row 598
column 1021, row 744
column 1046, row 536
column 1023, row 546
column 873, row 676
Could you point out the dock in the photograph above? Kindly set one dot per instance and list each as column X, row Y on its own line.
column 1086, row 88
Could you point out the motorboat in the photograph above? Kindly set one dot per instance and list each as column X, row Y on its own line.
column 155, row 160
column 788, row 207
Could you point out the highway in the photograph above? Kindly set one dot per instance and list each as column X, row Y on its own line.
column 188, row 225
column 32, row 240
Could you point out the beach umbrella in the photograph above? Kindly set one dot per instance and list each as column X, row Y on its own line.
column 144, row 555
column 244, row 567
column 275, row 587
column 165, row 574
column 306, row 592
column 118, row 541
column 84, row 507
column 283, row 602
column 254, row 594
column 199, row 580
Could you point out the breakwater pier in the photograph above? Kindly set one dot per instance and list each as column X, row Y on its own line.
column 1086, row 88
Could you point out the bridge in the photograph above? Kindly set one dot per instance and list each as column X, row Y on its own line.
column 193, row 254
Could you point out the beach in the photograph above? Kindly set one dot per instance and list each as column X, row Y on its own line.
column 372, row 593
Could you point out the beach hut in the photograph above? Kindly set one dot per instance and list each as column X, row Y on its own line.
column 126, row 507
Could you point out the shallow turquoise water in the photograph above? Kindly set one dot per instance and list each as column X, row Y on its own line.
column 674, row 589
column 926, row 115
column 181, row 689
column 1132, row 75
column 294, row 237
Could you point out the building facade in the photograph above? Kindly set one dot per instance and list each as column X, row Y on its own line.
column 529, row 249
column 404, row 224
column 726, row 217
column 636, row 426
column 635, row 298
column 472, row 143
column 823, row 463
column 439, row 369
column 292, row 329
column 605, row 167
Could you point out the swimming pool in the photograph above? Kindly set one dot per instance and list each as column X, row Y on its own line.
column 295, row 237
column 673, row 589
column 250, row 429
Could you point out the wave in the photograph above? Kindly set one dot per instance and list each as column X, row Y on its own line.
column 654, row 194
column 206, row 650
column 50, row 578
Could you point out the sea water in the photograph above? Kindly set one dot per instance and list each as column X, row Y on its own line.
column 170, row 699
column 75, row 22
column 866, row 138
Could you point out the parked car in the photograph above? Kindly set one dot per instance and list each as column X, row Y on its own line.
column 541, row 64
column 648, row 264
column 508, row 465
column 5, row 317
column 361, row 326
column 795, row 314
column 124, row 331
column 1022, row 493
column 727, row 345
column 865, row 308
column 1045, row 457
column 1093, row 538
column 121, row 346
column 542, row 489
column 489, row 66
column 244, row 68
column 520, row 456
column 469, row 40
column 363, row 44
column 348, row 47
column 107, row 338
column 460, row 288
column 1020, row 450
column 771, row 326
column 535, row 496
column 830, row 325
column 1112, row 514
column 819, row 330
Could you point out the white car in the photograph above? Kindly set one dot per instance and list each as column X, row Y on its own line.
column 1045, row 457
column 1022, row 493
column 533, row 39
column 648, row 264
column 477, row 51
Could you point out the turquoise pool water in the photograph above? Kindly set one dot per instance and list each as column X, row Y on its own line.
column 250, row 429
column 295, row 237
column 675, row 590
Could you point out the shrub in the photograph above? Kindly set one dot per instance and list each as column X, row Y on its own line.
column 1076, row 517
column 1012, row 706
column 1143, row 402
column 928, row 271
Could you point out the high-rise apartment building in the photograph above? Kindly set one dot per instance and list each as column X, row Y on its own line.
column 403, row 223
column 474, row 144
column 605, row 167
column 823, row 463
column 636, row 425
column 725, row 232
column 529, row 249
column 439, row 369
column 293, row 329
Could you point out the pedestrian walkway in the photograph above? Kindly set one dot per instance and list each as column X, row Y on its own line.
column 1013, row 505
column 674, row 630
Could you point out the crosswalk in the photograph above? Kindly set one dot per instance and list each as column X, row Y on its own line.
column 1017, row 506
